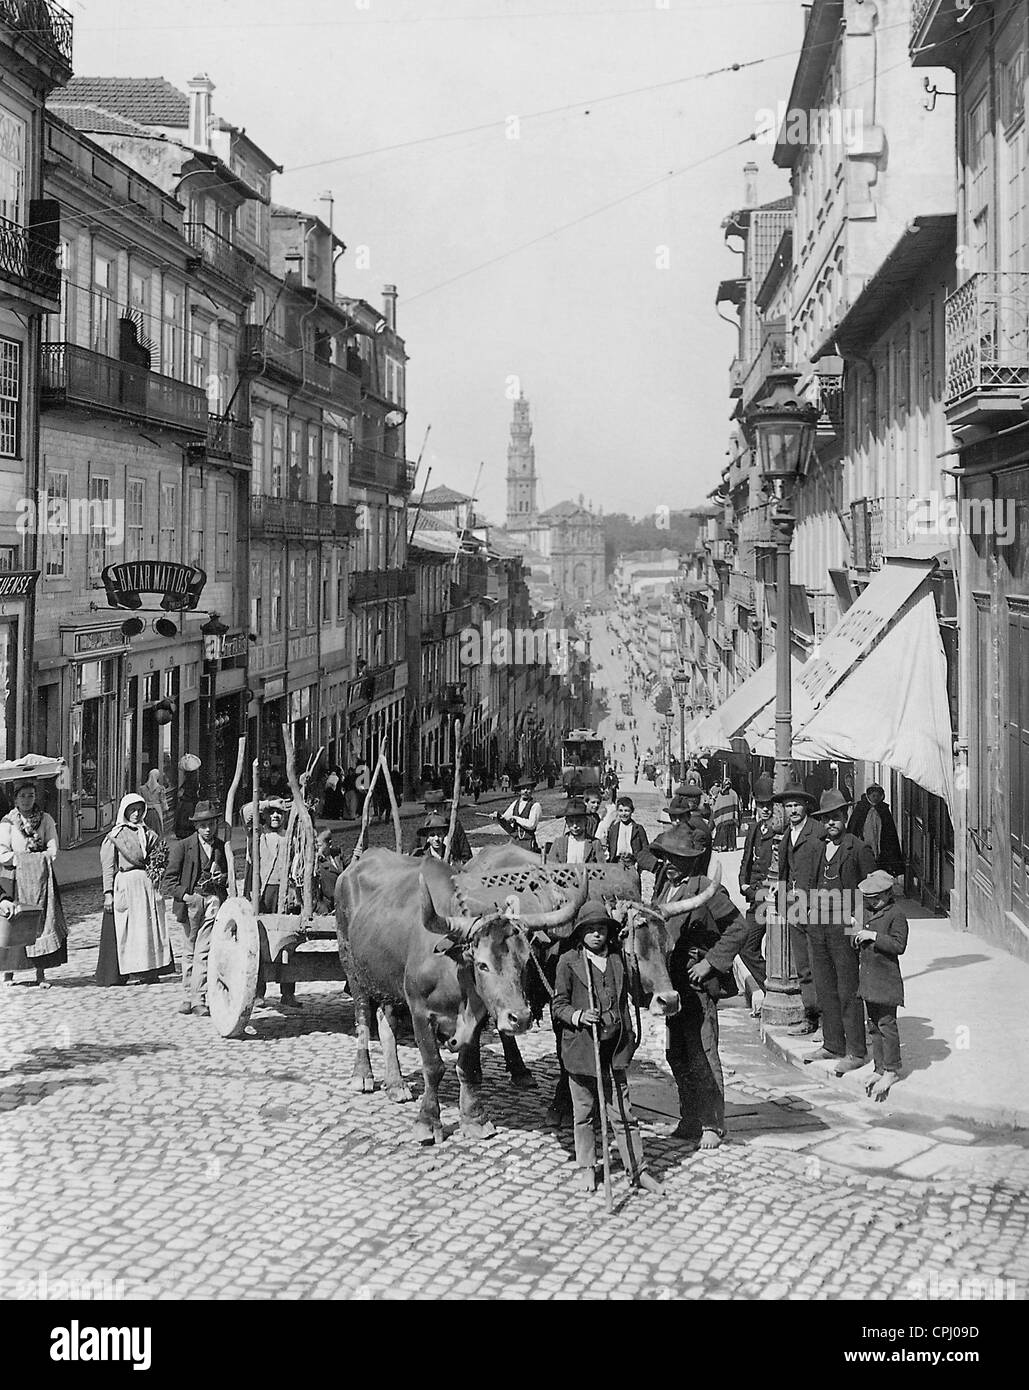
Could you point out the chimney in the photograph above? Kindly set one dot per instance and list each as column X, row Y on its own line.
column 750, row 185
column 200, row 89
column 389, row 305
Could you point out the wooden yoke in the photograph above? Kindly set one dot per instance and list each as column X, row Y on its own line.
column 302, row 816
column 230, row 810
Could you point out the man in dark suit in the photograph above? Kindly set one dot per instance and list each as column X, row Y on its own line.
column 800, row 857
column 575, row 845
column 197, row 880
column 756, row 867
column 435, row 805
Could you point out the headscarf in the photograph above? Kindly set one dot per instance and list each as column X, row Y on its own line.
column 122, row 823
column 29, row 822
column 152, row 790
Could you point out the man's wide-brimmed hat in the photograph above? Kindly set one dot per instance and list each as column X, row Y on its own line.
column 576, row 808
column 205, row 811
column 432, row 825
column 526, row 784
column 795, row 791
column 683, row 841
column 832, row 800
column 763, row 791
column 878, row 882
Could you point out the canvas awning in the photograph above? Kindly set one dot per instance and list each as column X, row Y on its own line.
column 717, row 729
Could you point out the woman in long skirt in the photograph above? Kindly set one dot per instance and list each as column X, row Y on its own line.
column 154, row 792
column 28, row 848
column 132, row 859
column 725, row 815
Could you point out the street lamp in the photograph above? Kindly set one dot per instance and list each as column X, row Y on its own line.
column 783, row 427
column 213, row 633
column 669, row 726
column 681, row 685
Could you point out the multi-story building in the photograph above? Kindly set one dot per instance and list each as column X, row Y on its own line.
column 984, row 367
column 143, row 440
column 35, row 58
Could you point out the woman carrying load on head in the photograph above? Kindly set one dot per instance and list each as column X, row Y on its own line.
column 28, row 848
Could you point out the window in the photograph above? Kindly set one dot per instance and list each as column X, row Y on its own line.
column 295, row 485
column 99, row 508
column 135, row 494
column 191, row 675
column 199, row 355
column 313, row 451
column 196, row 527
column 223, row 539
column 139, row 295
column 341, row 587
column 55, row 551
column 256, row 599
column 310, row 593
column 327, row 482
column 1012, row 89
column 276, row 596
column 168, row 543
column 326, row 590
column 278, row 459
column 10, row 398
column 12, row 167
column 101, row 299
column 257, row 456
column 55, row 326
column 977, row 136
column 172, row 331
column 292, row 595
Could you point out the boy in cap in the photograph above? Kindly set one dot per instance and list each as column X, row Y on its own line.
column 882, row 939
column 591, row 959
column 432, row 838
column 575, row 846
column 435, row 804
column 700, row 968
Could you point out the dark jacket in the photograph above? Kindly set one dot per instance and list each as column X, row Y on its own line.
column 639, row 845
column 184, row 870
column 571, row 993
column 891, row 856
column 879, row 977
column 799, row 863
column 460, row 849
column 852, row 862
column 714, row 932
column 558, row 852
column 759, row 846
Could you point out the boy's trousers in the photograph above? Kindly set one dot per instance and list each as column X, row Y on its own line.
column 584, row 1105
column 884, row 1036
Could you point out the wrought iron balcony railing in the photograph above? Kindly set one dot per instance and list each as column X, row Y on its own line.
column 73, row 375
column 773, row 355
column 228, row 438
column 284, row 518
column 369, row 467
column 372, row 586
column 28, row 259
column 988, row 335
column 262, row 350
column 219, row 255
column 342, row 387
column 44, row 24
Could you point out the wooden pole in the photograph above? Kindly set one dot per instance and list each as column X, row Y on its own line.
column 302, row 815
column 457, row 790
column 605, row 1142
column 230, row 810
column 255, row 838
column 366, row 811
column 398, row 836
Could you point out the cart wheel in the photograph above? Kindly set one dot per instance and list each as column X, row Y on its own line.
column 233, row 967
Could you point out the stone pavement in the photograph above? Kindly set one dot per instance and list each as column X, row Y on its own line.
column 143, row 1156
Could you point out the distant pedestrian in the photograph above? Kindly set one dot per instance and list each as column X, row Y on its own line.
column 154, row 792
column 873, row 822
column 725, row 816
column 882, row 939
column 28, row 849
column 132, row 862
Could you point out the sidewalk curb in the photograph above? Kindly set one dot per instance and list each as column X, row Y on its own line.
column 902, row 1100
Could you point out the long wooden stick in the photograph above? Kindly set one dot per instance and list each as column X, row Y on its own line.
column 366, row 811
column 230, row 810
column 457, row 790
column 303, row 815
column 605, row 1142
column 398, row 836
column 255, row 838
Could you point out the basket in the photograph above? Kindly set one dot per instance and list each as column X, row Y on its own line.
column 19, row 924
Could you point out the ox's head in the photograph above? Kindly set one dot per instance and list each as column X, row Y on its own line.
column 648, row 934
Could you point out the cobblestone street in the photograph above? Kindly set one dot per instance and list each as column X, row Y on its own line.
column 143, row 1156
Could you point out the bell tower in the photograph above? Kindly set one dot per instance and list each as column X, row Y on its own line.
column 521, row 471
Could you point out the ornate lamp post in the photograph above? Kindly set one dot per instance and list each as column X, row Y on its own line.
column 681, row 684
column 213, row 633
column 669, row 726
column 783, row 427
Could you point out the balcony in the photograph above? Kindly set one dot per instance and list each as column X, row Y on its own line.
column 45, row 25
column 74, row 376
column 987, row 347
column 771, row 358
column 755, row 527
column 29, row 260
column 263, row 352
column 282, row 518
column 218, row 254
column 878, row 526
column 340, row 387
column 228, row 438
column 370, row 468
column 375, row 586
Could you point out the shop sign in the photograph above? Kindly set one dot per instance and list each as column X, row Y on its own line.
column 180, row 586
column 234, row 645
column 274, row 688
column 18, row 583
column 99, row 640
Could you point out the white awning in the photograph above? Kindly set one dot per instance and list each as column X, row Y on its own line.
column 716, row 730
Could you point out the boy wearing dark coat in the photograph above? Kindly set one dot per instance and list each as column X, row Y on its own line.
column 882, row 939
column 591, row 959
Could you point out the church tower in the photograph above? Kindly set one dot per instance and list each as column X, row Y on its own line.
column 521, row 471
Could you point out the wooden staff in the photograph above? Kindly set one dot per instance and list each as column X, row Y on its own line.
column 605, row 1142
column 255, row 839
column 366, row 811
column 299, row 814
column 398, row 837
column 230, row 811
column 457, row 788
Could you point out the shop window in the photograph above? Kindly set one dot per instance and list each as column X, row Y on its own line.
column 10, row 398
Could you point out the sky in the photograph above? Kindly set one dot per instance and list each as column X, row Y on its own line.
column 562, row 238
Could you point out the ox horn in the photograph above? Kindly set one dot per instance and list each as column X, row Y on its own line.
column 676, row 909
column 562, row 916
column 459, row 927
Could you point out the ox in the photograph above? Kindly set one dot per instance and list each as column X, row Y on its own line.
column 401, row 943
column 647, row 936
